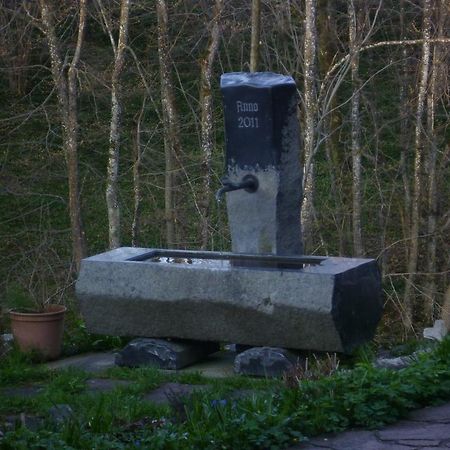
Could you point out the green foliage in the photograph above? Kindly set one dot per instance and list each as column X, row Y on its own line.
column 78, row 340
column 16, row 297
column 16, row 368
column 271, row 418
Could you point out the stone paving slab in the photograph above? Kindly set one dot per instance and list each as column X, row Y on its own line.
column 23, row 391
column 424, row 429
column 414, row 430
column 90, row 362
column 351, row 440
column 105, row 384
column 436, row 414
column 164, row 393
column 217, row 365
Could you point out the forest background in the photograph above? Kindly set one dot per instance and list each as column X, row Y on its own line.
column 111, row 133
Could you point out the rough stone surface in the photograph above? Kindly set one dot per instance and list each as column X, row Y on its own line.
column 331, row 306
column 405, row 435
column 403, row 430
column 437, row 332
column 170, row 391
column 264, row 362
column 23, row 391
column 91, row 362
column 353, row 440
column 436, row 414
column 420, row 442
column 400, row 362
column 61, row 413
column 163, row 354
column 29, row 421
column 105, row 384
column 263, row 139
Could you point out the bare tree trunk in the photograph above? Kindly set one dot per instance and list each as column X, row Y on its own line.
column 172, row 144
column 256, row 35
column 418, row 162
column 432, row 98
column 310, row 102
column 404, row 139
column 354, row 31
column 206, row 106
column 66, row 89
column 135, row 226
column 112, row 181
column 326, row 28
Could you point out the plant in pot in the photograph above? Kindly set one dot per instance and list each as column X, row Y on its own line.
column 37, row 325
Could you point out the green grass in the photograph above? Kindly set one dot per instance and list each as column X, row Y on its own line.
column 273, row 417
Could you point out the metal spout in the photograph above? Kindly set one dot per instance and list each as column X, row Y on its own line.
column 250, row 183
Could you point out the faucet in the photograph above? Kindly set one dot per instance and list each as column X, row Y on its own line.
column 249, row 183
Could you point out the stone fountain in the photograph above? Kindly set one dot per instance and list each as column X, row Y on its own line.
column 264, row 293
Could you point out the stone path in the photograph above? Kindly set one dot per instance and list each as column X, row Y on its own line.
column 424, row 429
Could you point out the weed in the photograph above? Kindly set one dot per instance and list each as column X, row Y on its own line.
column 311, row 369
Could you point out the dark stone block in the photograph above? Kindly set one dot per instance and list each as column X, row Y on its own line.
column 164, row 354
column 263, row 141
column 264, row 362
column 360, row 284
column 257, row 107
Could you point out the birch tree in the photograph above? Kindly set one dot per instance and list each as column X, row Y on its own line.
column 354, row 13
column 418, row 162
column 310, row 110
column 437, row 87
column 207, row 120
column 65, row 81
column 172, row 143
column 112, row 181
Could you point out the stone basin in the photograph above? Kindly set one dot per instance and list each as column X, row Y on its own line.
column 296, row 302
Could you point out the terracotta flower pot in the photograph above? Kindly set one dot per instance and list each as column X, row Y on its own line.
column 39, row 331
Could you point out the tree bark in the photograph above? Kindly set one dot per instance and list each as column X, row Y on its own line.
column 310, row 105
column 206, row 105
column 404, row 137
column 354, row 14
column 66, row 89
column 112, row 181
column 418, row 163
column 135, row 226
column 172, row 143
column 256, row 35
column 432, row 199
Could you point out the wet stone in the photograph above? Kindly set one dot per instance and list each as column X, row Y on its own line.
column 164, row 354
column 264, row 362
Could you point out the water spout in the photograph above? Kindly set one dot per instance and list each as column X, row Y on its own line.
column 249, row 183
